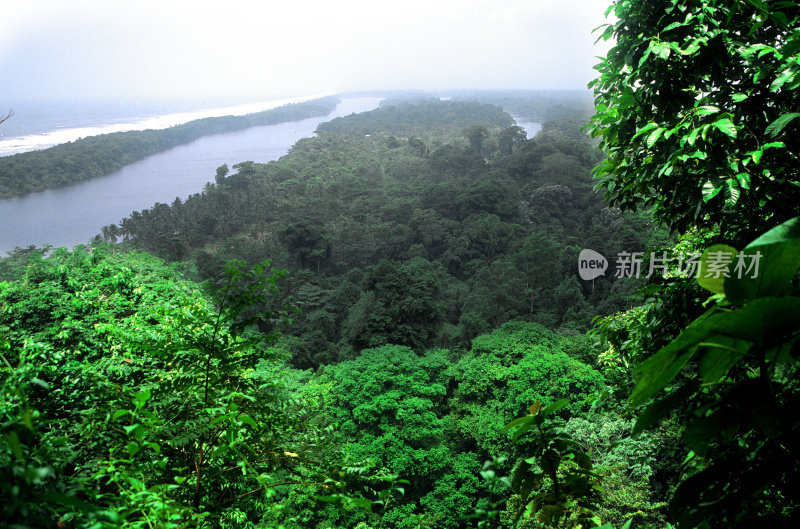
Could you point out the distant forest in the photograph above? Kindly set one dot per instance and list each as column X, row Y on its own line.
column 420, row 224
column 386, row 328
column 103, row 154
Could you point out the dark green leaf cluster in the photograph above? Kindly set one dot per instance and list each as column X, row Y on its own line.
column 696, row 107
column 746, row 352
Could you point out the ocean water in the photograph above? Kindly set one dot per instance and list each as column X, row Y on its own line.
column 41, row 124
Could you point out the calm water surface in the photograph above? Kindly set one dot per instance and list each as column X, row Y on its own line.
column 73, row 215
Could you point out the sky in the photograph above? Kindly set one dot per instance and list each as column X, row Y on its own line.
column 54, row 49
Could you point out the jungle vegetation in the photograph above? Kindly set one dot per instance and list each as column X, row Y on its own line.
column 101, row 155
column 386, row 328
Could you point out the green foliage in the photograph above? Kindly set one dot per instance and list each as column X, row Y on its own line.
column 507, row 370
column 103, row 154
column 632, row 472
column 554, row 478
column 696, row 105
column 434, row 417
column 389, row 404
column 745, row 349
column 26, row 462
column 168, row 406
column 388, row 242
column 131, row 400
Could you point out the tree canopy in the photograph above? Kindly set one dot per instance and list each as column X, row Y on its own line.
column 697, row 108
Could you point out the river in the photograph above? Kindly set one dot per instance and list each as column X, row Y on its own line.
column 74, row 214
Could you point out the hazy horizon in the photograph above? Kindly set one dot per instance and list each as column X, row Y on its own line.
column 244, row 50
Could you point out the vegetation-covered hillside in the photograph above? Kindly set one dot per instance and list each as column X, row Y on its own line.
column 390, row 238
column 415, row 355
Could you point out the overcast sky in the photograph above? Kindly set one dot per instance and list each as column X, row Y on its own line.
column 265, row 48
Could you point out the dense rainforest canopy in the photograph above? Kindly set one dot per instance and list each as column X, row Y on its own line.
column 391, row 331
column 390, row 238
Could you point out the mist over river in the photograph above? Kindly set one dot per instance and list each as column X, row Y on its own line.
column 75, row 214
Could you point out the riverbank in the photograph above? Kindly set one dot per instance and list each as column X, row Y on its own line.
column 72, row 215
column 101, row 155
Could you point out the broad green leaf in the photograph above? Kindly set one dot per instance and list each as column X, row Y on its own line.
column 692, row 138
column 718, row 355
column 133, row 448
column 673, row 26
column 132, row 428
column 700, row 433
column 767, row 265
column 710, row 190
column 645, row 56
column 661, row 408
column 328, row 499
column 626, row 101
column 655, row 373
column 732, row 192
column 522, row 430
column 141, row 398
column 698, row 155
column 785, row 76
column 713, row 267
column 120, row 413
column 647, row 128
column 554, row 407
column 779, row 124
column 517, row 422
column 726, row 126
column 744, row 180
column 661, row 49
column 248, row 420
column 706, row 110
column 759, row 321
column 653, row 137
